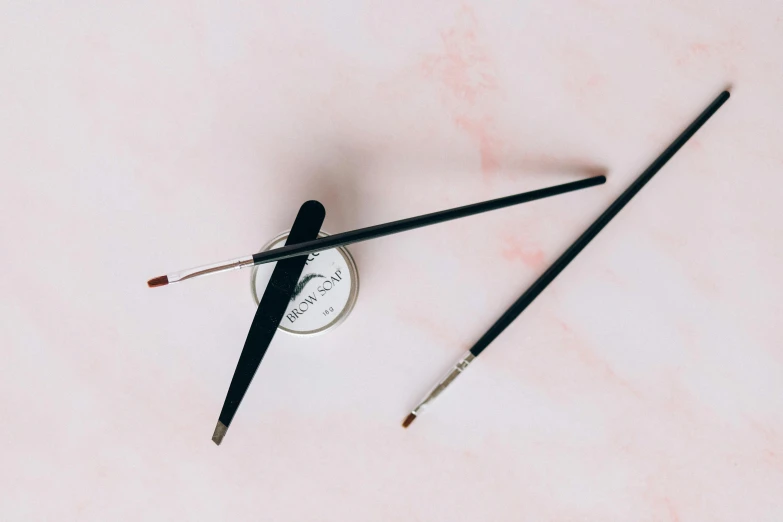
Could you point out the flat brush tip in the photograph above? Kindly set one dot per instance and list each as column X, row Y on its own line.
column 158, row 281
column 408, row 420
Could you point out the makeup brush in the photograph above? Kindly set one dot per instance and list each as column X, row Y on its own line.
column 363, row 234
column 542, row 282
column 271, row 309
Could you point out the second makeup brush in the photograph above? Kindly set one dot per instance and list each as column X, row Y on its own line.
column 581, row 242
column 363, row 234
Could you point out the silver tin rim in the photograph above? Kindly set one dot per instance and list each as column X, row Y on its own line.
column 352, row 296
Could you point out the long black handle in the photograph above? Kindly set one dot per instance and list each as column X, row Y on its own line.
column 363, row 234
column 536, row 288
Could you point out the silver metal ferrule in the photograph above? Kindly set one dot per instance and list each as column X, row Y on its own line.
column 455, row 371
column 214, row 268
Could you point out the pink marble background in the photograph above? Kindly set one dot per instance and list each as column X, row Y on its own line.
column 646, row 384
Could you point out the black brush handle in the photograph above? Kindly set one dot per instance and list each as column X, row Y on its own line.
column 272, row 307
column 376, row 231
column 542, row 282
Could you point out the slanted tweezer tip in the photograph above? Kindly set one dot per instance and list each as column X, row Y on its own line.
column 220, row 432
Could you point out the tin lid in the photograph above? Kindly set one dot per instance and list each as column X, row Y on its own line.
column 324, row 295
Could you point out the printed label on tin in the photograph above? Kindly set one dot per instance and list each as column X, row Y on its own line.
column 321, row 294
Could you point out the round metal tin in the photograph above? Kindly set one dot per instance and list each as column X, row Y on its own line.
column 326, row 292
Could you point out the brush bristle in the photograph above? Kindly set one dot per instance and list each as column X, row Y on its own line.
column 158, row 281
column 408, row 420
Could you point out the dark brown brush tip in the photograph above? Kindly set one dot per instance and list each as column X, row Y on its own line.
column 408, row 420
column 158, row 281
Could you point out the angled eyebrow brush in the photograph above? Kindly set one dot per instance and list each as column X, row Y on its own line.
column 363, row 234
column 543, row 281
